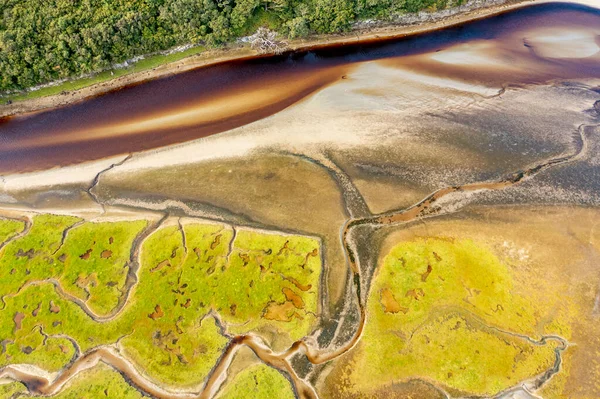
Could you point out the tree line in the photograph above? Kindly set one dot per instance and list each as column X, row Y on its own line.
column 46, row 40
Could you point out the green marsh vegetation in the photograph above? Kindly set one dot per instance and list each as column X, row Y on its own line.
column 96, row 262
column 99, row 382
column 191, row 277
column 443, row 309
column 261, row 273
column 45, row 41
column 90, row 260
column 9, row 229
column 31, row 258
column 257, row 382
column 11, row 389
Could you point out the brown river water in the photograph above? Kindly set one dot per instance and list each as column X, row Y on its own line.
column 531, row 45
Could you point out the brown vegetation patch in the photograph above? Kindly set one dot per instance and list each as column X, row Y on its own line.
column 389, row 303
column 198, row 253
column 54, row 308
column 157, row 314
column 415, row 293
column 281, row 312
column 245, row 258
column 298, row 285
column 35, row 311
column 291, row 296
column 18, row 319
column 284, row 248
column 84, row 282
column 86, row 255
column 106, row 254
column 426, row 274
column 29, row 253
column 216, row 241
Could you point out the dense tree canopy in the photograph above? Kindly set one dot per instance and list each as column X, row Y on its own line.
column 45, row 40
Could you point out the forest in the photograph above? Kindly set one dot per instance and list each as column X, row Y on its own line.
column 46, row 40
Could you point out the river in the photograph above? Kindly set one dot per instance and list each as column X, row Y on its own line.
column 514, row 48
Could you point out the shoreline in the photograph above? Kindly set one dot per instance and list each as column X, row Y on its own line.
column 387, row 31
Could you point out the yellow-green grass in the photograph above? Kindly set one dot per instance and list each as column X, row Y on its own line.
column 239, row 287
column 269, row 275
column 31, row 257
column 435, row 310
column 145, row 64
column 166, row 328
column 90, row 264
column 10, row 389
column 96, row 262
column 257, row 382
column 99, row 382
column 171, row 339
column 9, row 229
column 43, row 311
column 154, row 61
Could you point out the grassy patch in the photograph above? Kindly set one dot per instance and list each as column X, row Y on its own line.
column 257, row 382
column 67, row 86
column 99, row 382
column 90, row 261
column 171, row 340
column 154, row 61
column 259, row 281
column 38, row 310
column 9, row 229
column 96, row 262
column 434, row 273
column 271, row 280
column 11, row 389
column 261, row 272
column 430, row 309
column 31, row 257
